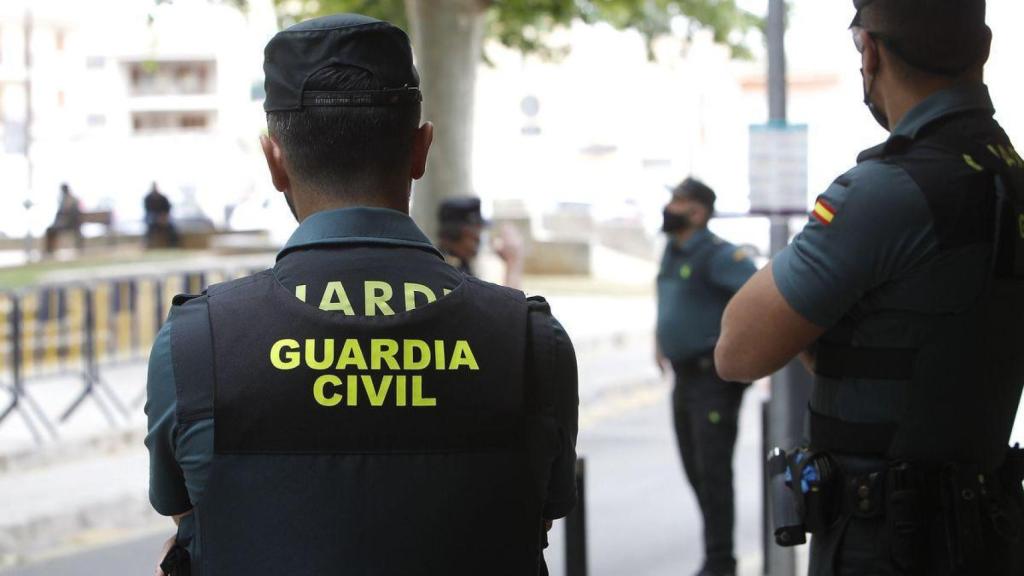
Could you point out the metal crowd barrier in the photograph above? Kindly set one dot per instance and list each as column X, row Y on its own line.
column 11, row 358
column 78, row 329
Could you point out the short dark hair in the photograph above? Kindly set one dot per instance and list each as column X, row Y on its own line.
column 327, row 146
column 938, row 37
column 698, row 191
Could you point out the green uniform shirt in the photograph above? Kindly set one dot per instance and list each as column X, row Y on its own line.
column 696, row 281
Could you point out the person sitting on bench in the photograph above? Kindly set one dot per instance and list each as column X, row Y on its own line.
column 68, row 219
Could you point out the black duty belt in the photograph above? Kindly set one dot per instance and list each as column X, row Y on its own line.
column 702, row 363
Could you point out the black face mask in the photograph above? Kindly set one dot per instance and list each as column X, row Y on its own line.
column 675, row 222
column 876, row 111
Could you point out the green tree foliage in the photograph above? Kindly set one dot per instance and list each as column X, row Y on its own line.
column 523, row 24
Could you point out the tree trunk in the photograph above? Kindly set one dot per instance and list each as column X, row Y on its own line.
column 447, row 36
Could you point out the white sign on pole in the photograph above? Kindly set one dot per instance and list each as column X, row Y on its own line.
column 778, row 168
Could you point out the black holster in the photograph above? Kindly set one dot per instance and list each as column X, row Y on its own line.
column 905, row 516
column 960, row 493
column 977, row 519
column 177, row 562
column 1006, row 511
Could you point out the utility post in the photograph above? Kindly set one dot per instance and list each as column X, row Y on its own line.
column 28, row 203
column 777, row 61
column 790, row 387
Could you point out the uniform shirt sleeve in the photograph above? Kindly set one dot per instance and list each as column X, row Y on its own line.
column 561, row 493
column 180, row 450
column 731, row 269
column 881, row 229
column 167, row 491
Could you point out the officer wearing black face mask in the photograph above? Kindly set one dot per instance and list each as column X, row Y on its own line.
column 699, row 274
column 906, row 290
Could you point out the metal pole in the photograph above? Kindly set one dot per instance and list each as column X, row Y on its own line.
column 576, row 527
column 777, row 61
column 767, row 542
column 790, row 386
column 28, row 131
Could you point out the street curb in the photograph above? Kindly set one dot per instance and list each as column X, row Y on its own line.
column 34, row 540
column 62, row 451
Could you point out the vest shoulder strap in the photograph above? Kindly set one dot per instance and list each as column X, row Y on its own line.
column 542, row 352
column 192, row 358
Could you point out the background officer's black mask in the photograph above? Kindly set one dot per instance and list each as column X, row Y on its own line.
column 876, row 111
column 675, row 222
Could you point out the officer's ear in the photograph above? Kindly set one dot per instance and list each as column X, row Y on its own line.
column 870, row 59
column 422, row 140
column 275, row 162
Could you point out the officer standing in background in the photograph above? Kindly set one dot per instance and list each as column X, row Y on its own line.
column 906, row 293
column 461, row 232
column 362, row 407
column 159, row 225
column 700, row 272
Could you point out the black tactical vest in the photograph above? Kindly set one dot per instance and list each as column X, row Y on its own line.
column 373, row 445
column 963, row 382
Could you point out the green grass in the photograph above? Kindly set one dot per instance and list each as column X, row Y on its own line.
column 16, row 277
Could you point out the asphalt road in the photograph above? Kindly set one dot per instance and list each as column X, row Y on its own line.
column 642, row 518
column 134, row 557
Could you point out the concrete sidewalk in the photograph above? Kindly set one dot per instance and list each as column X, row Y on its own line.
column 89, row 482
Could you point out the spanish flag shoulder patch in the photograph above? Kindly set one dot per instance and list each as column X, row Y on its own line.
column 824, row 211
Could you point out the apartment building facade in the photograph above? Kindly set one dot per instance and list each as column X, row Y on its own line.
column 124, row 93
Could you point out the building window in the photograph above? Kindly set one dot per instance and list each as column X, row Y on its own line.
column 171, row 78
column 95, row 62
column 96, row 120
column 159, row 122
column 194, row 121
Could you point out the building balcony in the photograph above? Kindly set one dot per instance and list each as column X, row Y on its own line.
column 171, row 78
column 172, row 103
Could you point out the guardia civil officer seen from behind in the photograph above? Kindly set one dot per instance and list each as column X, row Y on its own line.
column 905, row 294
column 700, row 272
column 362, row 407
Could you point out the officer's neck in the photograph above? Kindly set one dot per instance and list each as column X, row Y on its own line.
column 309, row 204
column 908, row 94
